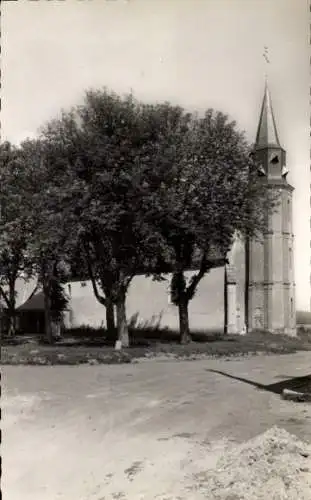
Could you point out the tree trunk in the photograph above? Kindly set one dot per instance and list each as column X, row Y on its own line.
column 12, row 322
column 12, row 310
column 110, row 323
column 123, row 334
column 56, row 328
column 184, row 331
column 1, row 319
column 47, row 315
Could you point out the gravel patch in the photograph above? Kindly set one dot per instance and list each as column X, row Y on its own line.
column 274, row 465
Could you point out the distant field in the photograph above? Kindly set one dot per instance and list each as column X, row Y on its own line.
column 303, row 318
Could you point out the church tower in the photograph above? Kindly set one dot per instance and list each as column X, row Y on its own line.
column 270, row 288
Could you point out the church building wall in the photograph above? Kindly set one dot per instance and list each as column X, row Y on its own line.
column 150, row 302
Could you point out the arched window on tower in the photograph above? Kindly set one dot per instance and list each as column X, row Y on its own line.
column 274, row 159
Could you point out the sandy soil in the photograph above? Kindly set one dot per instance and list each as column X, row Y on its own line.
column 142, row 431
column 274, row 465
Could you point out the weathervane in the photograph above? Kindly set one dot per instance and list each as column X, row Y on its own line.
column 266, row 58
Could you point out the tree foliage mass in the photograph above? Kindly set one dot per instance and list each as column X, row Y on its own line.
column 115, row 187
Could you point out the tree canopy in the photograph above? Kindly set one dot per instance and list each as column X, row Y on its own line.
column 121, row 187
column 14, row 226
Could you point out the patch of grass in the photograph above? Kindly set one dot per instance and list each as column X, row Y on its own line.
column 141, row 334
column 304, row 333
column 95, row 350
column 85, row 331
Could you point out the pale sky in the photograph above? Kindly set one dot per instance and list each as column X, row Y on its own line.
column 197, row 53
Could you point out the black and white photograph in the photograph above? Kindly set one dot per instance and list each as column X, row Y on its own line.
column 155, row 249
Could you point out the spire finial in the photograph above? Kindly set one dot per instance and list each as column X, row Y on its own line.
column 266, row 58
column 267, row 135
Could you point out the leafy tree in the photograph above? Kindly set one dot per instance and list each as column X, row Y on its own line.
column 46, row 201
column 210, row 192
column 115, row 240
column 59, row 302
column 113, row 149
column 147, row 188
column 65, row 135
column 14, row 223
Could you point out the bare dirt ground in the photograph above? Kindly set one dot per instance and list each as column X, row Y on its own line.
column 147, row 430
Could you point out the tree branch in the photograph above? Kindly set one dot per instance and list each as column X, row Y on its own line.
column 195, row 280
column 127, row 279
column 4, row 296
column 99, row 297
column 33, row 292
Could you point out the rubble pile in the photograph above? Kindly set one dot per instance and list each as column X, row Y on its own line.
column 274, row 465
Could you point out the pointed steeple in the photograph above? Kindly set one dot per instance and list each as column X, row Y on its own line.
column 267, row 135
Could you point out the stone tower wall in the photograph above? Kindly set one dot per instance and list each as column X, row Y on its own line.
column 271, row 276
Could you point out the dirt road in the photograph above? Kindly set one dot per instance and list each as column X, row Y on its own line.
column 140, row 431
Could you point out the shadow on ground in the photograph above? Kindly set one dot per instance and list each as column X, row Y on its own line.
column 298, row 384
